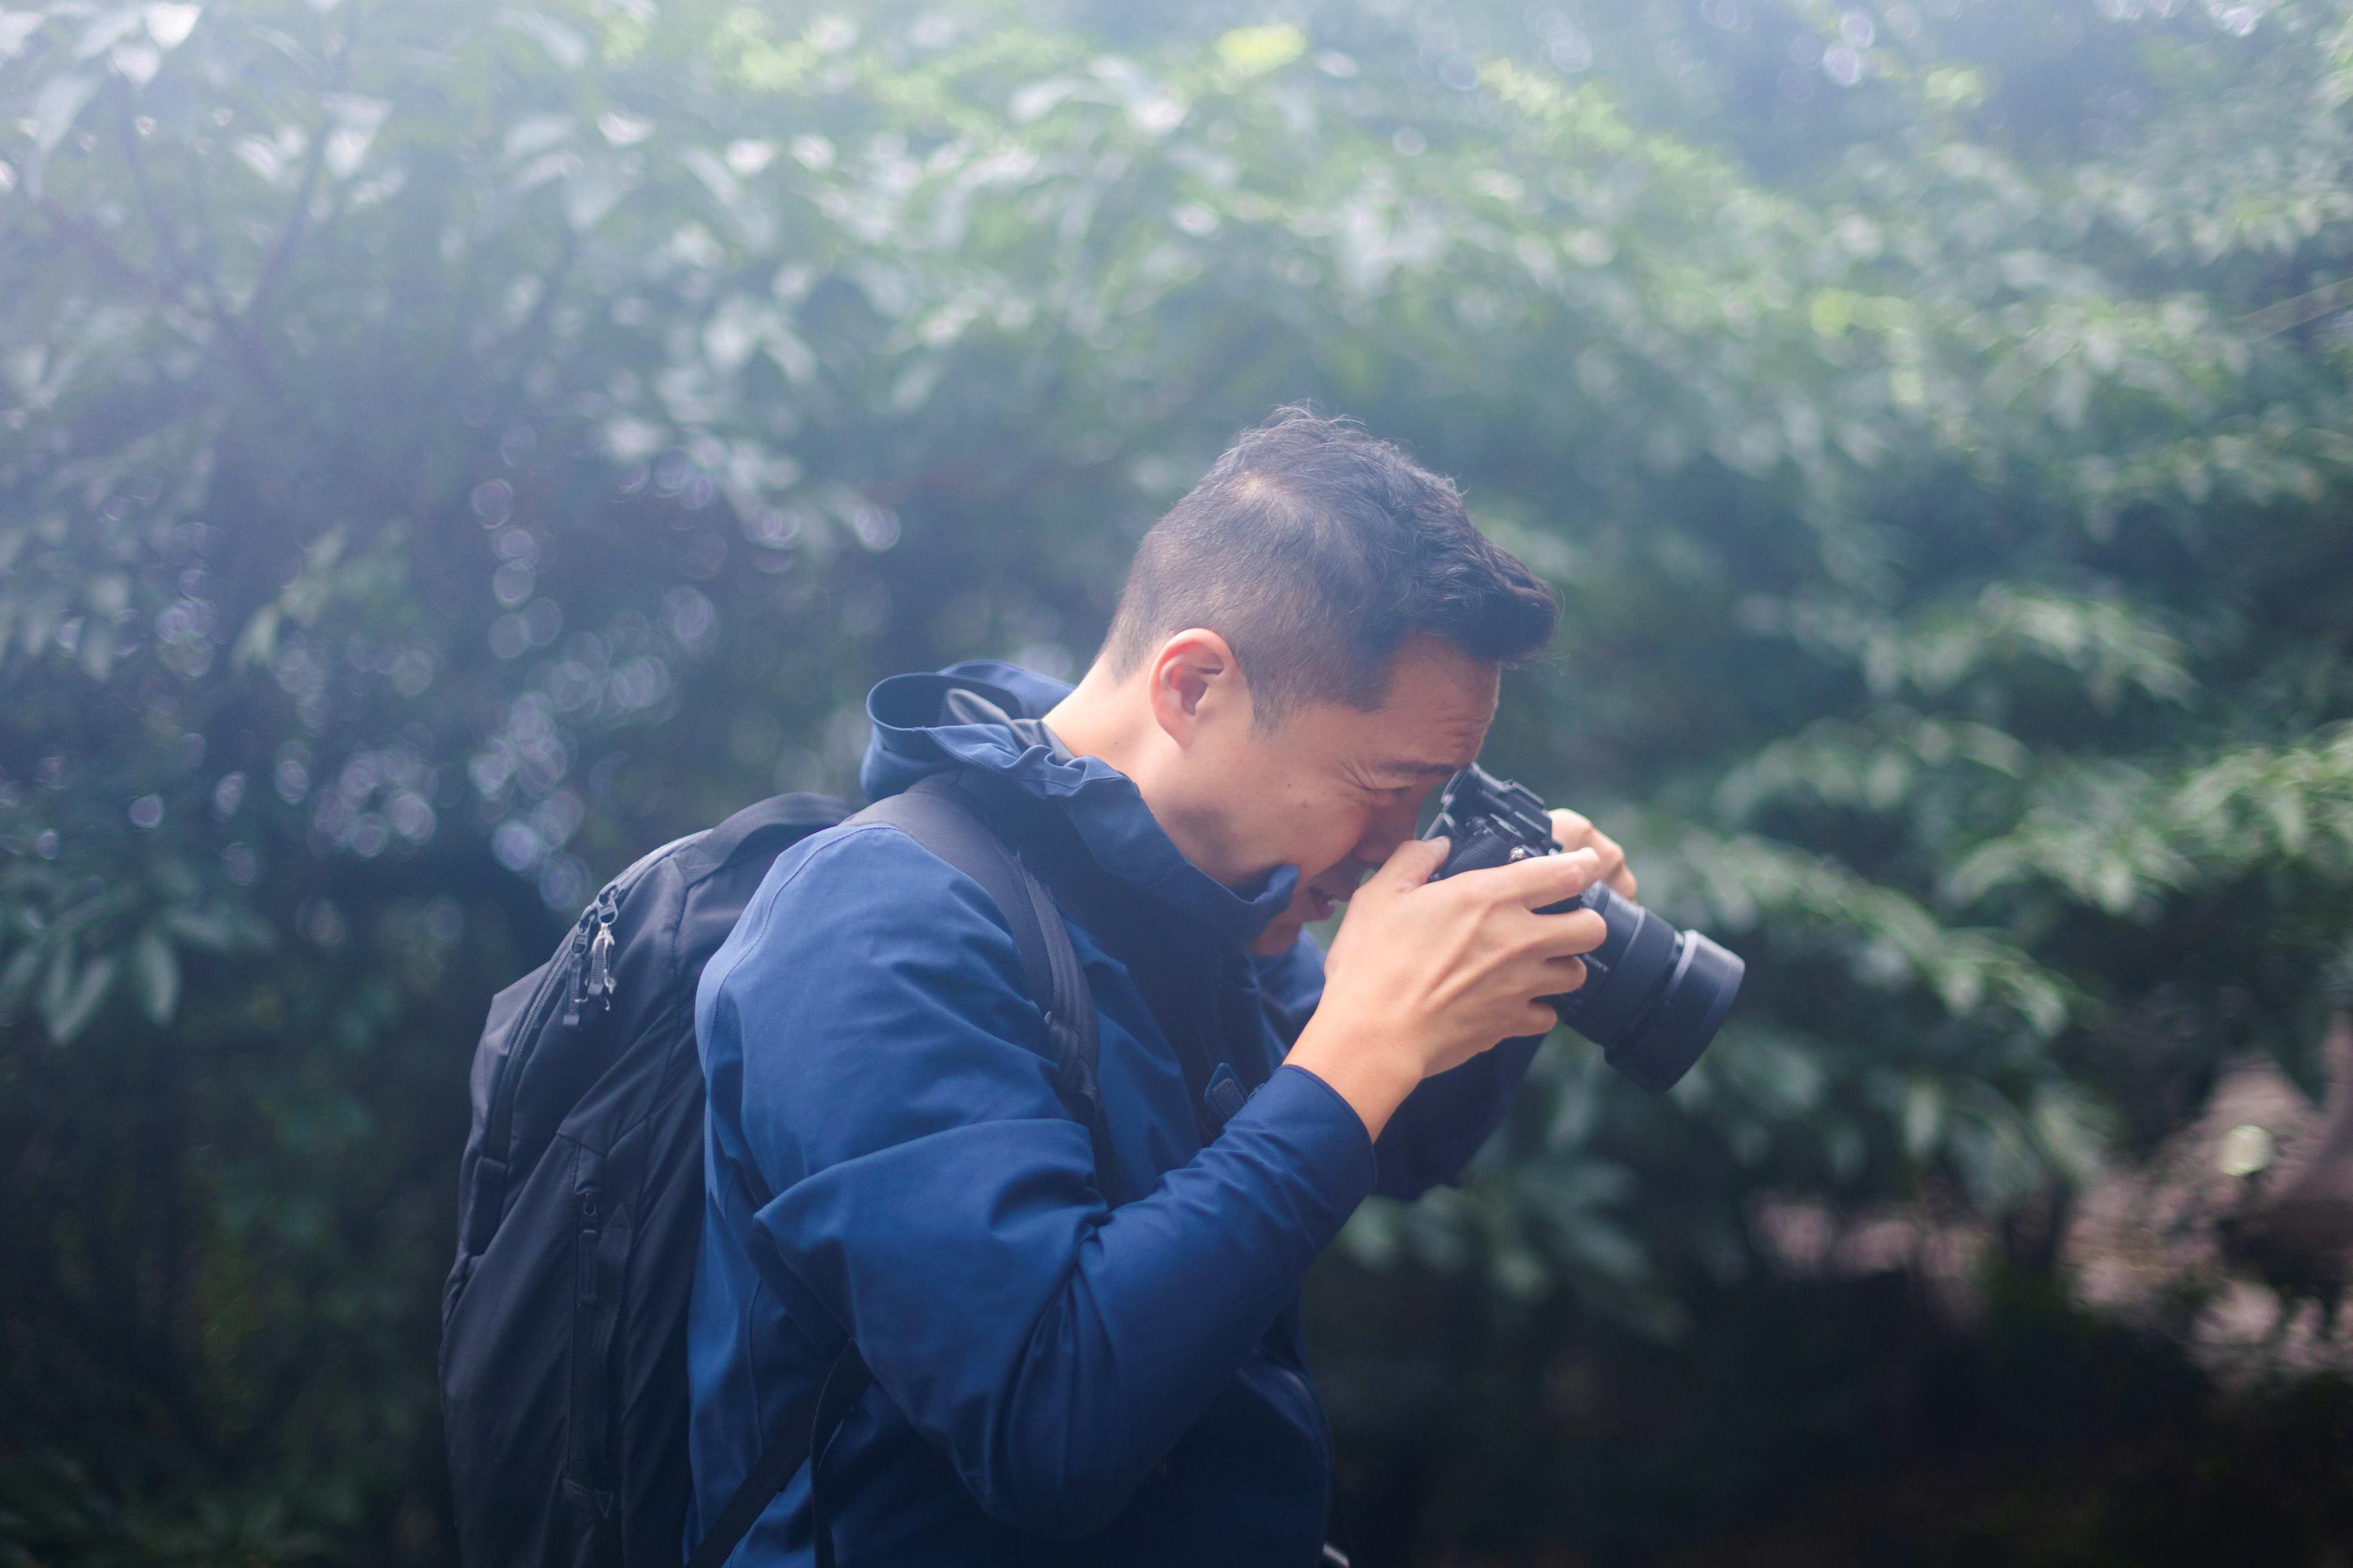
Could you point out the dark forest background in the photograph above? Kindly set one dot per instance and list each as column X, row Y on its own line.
column 448, row 447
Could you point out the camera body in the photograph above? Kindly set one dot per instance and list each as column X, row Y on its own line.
column 1654, row 996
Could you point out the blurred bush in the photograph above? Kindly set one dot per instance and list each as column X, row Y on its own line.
column 447, row 449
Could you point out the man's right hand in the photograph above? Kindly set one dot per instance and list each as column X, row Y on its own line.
column 1424, row 976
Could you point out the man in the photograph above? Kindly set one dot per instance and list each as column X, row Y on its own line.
column 1094, row 1356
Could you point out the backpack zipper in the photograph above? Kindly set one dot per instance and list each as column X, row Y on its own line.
column 596, row 1311
column 596, row 978
column 498, row 1126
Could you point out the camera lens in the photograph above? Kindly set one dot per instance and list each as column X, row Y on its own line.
column 1689, row 1006
column 1654, row 996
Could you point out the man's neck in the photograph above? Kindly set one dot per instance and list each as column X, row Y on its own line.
column 1106, row 718
column 1099, row 719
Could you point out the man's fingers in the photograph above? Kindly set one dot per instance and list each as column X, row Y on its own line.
column 1570, row 973
column 1548, row 878
column 1614, row 873
column 1574, row 830
column 1538, row 1019
column 1410, row 864
column 1563, row 935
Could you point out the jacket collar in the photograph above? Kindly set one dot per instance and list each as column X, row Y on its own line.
column 923, row 723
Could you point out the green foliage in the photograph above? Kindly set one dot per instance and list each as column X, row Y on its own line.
column 446, row 450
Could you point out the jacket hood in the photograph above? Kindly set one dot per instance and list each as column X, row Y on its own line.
column 924, row 723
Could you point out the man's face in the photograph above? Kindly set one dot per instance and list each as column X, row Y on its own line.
column 1333, row 790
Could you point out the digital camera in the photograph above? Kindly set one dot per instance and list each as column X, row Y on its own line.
column 1654, row 996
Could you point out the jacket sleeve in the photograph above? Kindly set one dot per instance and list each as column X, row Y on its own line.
column 1442, row 1123
column 871, row 1049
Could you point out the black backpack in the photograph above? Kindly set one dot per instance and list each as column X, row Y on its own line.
column 580, row 1197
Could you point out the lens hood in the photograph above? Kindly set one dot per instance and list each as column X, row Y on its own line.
column 1691, row 1006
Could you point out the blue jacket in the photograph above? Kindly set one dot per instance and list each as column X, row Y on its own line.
column 1073, row 1362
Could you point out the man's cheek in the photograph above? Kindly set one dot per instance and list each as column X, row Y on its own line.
column 1331, row 824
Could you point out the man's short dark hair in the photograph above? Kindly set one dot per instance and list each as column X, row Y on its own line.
column 1316, row 550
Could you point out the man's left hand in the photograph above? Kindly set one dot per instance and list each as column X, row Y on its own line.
column 1572, row 832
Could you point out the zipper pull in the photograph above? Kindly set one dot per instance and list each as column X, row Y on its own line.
column 601, row 979
column 573, row 997
column 600, row 972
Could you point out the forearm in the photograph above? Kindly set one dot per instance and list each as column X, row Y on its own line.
column 1369, row 1072
column 1053, row 1349
column 1168, row 1295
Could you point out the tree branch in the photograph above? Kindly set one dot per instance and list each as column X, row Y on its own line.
column 118, row 267
column 178, row 267
column 281, row 251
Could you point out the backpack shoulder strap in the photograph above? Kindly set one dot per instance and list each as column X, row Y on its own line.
column 947, row 819
column 845, row 1380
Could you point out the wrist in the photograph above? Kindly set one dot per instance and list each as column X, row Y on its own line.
column 1372, row 1075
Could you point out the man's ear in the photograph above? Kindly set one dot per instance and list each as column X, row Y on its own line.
column 1195, row 682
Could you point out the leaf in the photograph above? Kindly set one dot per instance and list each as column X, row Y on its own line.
column 213, row 930
column 1924, row 1116
column 624, row 130
column 356, row 118
column 1371, row 1236
column 157, row 970
column 79, row 1003
column 535, row 133
column 2070, row 1135
column 258, row 641
column 1037, row 99
column 170, row 25
column 716, row 177
column 57, row 984
column 17, row 977
column 60, row 101
column 346, row 149
column 137, row 62
column 15, row 28
column 563, row 45
column 594, row 190
column 105, row 32
column 1254, row 51
column 97, row 649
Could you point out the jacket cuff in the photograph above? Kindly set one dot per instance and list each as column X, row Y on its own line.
column 1322, row 1139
